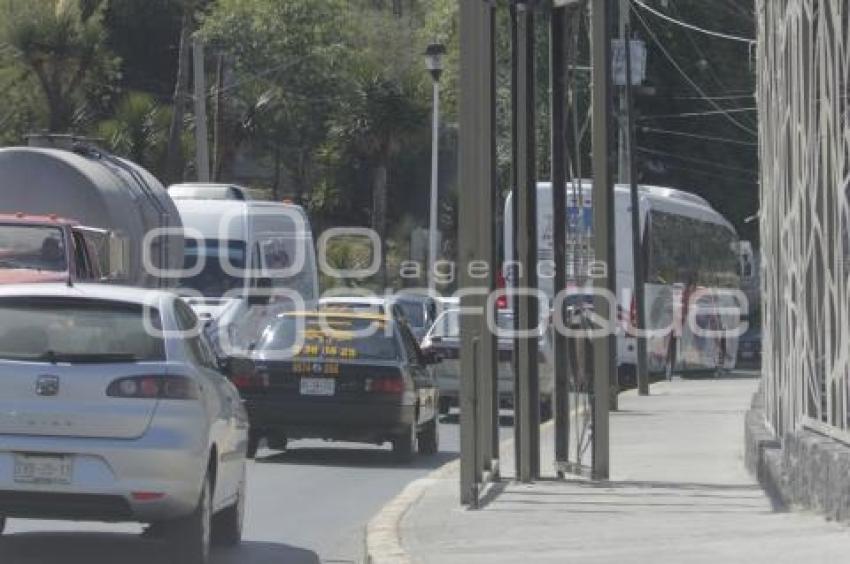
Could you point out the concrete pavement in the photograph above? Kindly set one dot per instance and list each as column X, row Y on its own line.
column 679, row 492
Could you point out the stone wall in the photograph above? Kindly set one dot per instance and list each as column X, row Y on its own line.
column 804, row 469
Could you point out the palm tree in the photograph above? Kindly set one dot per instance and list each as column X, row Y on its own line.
column 62, row 43
column 138, row 130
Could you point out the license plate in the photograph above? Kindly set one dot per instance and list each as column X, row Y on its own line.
column 318, row 386
column 43, row 469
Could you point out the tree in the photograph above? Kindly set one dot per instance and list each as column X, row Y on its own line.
column 289, row 60
column 377, row 120
column 138, row 130
column 61, row 42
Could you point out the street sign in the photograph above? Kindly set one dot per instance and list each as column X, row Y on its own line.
column 618, row 54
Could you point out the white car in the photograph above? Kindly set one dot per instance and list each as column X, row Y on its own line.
column 112, row 408
column 444, row 339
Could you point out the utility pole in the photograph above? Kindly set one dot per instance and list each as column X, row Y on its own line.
column 218, row 118
column 642, row 375
column 605, row 347
column 202, row 150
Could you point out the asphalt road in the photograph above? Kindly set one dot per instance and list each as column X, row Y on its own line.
column 307, row 505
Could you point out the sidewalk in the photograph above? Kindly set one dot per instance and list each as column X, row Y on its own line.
column 679, row 493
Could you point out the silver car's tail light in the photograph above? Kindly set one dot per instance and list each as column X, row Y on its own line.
column 154, row 387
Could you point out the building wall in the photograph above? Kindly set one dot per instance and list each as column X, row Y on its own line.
column 804, row 99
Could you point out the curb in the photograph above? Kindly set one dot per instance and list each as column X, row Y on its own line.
column 383, row 534
column 383, row 543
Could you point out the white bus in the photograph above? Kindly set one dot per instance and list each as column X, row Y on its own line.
column 691, row 261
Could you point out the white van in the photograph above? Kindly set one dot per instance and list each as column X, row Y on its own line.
column 232, row 247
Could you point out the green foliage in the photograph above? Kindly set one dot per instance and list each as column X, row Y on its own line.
column 290, row 58
column 138, row 130
column 61, row 43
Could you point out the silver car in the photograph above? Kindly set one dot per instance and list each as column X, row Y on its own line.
column 112, row 408
column 444, row 339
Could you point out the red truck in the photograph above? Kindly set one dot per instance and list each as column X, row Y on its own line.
column 35, row 248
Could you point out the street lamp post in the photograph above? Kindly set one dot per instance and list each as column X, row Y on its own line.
column 434, row 63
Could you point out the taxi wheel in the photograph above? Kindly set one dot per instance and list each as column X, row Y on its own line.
column 404, row 444
column 429, row 438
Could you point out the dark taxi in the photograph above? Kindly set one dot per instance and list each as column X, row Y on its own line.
column 340, row 376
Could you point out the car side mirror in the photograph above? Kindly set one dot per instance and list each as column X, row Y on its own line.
column 261, row 294
column 431, row 357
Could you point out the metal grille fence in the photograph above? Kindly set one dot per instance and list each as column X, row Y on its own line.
column 804, row 84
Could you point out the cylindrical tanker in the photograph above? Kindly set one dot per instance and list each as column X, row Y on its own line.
column 82, row 183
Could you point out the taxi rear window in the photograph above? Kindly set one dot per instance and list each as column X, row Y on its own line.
column 330, row 337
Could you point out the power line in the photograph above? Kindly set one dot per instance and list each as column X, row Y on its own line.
column 696, row 161
column 699, row 172
column 690, row 81
column 711, row 70
column 686, row 25
column 725, row 97
column 697, row 136
column 722, row 111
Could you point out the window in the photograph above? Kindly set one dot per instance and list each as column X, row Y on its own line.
column 188, row 322
column 77, row 330
column 213, row 280
column 343, row 338
column 689, row 251
column 33, row 248
column 447, row 325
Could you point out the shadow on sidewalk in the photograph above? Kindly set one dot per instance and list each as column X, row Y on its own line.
column 606, row 497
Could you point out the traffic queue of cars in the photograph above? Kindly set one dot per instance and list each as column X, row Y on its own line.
column 118, row 403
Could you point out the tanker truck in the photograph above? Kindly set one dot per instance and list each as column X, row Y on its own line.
column 112, row 203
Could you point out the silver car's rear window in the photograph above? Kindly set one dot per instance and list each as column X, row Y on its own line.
column 78, row 331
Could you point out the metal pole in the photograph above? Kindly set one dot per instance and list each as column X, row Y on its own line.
column 558, row 80
column 623, row 169
column 202, row 152
column 514, row 272
column 486, row 215
column 604, row 348
column 475, row 177
column 637, row 257
column 527, row 412
column 435, row 181
column 491, row 342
